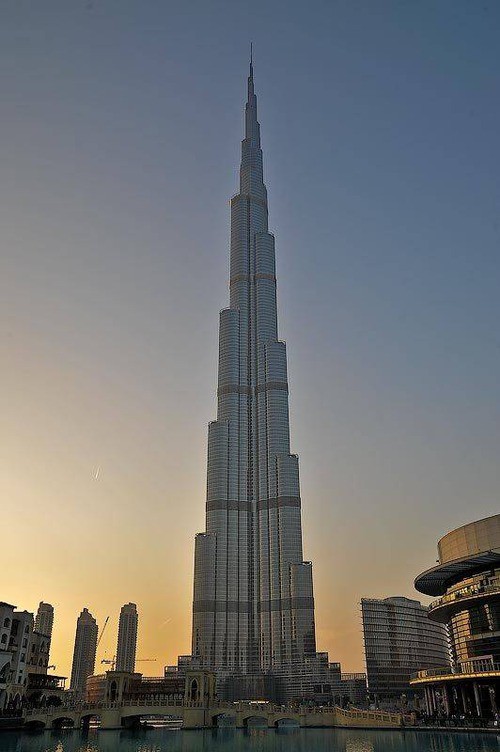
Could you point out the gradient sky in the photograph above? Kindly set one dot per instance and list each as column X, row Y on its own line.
column 121, row 122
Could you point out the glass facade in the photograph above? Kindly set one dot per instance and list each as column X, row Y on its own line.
column 253, row 609
column 467, row 579
column 399, row 639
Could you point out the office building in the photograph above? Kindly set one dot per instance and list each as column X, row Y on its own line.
column 466, row 582
column 399, row 639
column 127, row 638
column 253, row 607
column 84, row 652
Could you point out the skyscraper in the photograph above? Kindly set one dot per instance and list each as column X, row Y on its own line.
column 44, row 619
column 127, row 638
column 253, row 608
column 84, row 652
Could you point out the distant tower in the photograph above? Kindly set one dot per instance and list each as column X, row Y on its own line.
column 44, row 619
column 84, row 652
column 127, row 638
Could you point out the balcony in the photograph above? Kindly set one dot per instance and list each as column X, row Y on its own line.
column 443, row 608
column 480, row 668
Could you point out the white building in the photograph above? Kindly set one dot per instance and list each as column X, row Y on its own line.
column 6, row 616
column 24, row 659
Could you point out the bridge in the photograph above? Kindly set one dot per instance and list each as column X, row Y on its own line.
column 121, row 699
column 126, row 714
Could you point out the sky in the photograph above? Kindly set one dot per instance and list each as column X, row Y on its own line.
column 121, row 128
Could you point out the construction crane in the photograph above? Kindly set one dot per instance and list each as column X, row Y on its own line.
column 102, row 632
column 112, row 661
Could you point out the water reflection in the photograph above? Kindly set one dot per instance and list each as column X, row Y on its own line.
column 359, row 745
column 253, row 740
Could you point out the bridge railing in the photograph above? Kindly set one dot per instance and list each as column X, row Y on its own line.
column 86, row 708
column 371, row 715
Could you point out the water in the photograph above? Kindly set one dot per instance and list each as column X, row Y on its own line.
column 298, row 740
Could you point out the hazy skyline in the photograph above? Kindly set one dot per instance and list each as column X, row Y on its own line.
column 122, row 123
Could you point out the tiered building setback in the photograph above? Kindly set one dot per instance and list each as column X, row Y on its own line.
column 253, row 609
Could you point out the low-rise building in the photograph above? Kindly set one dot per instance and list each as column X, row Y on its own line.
column 128, row 686
column 6, row 616
column 24, row 659
column 466, row 582
column 399, row 639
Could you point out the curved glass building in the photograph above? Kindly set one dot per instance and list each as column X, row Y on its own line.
column 467, row 583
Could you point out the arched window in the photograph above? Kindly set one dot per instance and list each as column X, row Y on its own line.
column 6, row 623
column 4, row 639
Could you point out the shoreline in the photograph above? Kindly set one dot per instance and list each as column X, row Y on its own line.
column 21, row 729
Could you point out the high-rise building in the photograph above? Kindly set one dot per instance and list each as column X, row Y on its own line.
column 44, row 619
column 84, row 652
column 399, row 640
column 253, row 608
column 466, row 582
column 127, row 638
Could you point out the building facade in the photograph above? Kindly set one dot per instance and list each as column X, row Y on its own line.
column 467, row 583
column 6, row 653
column 19, row 644
column 127, row 638
column 253, row 607
column 44, row 619
column 341, row 689
column 24, row 659
column 399, row 639
column 84, row 652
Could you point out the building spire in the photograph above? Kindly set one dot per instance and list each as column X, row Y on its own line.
column 252, row 130
column 250, row 77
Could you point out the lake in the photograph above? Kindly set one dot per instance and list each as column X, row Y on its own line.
column 297, row 740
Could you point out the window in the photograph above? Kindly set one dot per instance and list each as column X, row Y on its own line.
column 4, row 639
column 6, row 623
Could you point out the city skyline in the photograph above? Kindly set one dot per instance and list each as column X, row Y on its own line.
column 384, row 170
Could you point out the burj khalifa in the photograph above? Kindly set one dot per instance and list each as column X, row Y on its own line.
column 253, row 607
